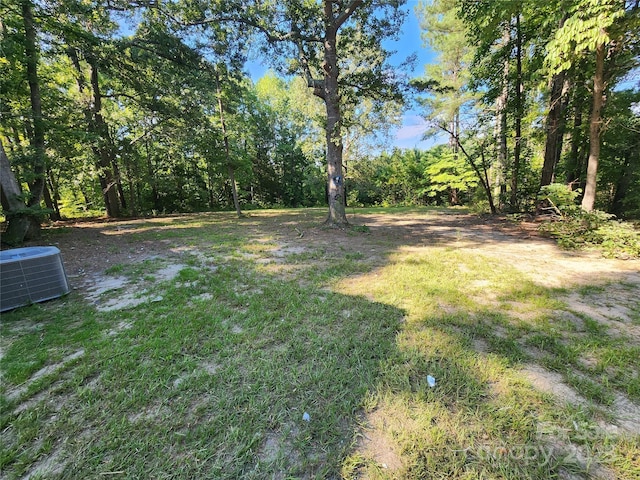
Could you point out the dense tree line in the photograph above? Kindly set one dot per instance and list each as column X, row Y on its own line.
column 138, row 107
column 413, row 177
column 533, row 93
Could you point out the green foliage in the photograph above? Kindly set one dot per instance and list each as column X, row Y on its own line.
column 35, row 212
column 619, row 168
column 165, row 141
column 448, row 172
column 412, row 177
column 595, row 229
column 587, row 27
column 619, row 239
column 560, row 195
column 284, row 144
column 445, row 83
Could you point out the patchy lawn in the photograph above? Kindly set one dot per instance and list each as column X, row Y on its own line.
column 192, row 347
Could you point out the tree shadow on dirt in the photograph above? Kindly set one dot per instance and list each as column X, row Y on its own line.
column 240, row 352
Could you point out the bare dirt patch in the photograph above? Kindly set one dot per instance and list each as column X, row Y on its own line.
column 47, row 370
column 553, row 383
column 90, row 247
column 377, row 445
column 50, row 466
column 286, row 248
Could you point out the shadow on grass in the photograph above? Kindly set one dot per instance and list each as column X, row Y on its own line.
column 213, row 380
column 525, row 388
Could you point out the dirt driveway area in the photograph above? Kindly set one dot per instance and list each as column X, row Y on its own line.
column 593, row 288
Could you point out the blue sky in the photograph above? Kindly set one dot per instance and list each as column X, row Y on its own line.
column 409, row 134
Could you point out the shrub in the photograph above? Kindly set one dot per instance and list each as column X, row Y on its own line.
column 560, row 195
column 580, row 229
column 619, row 239
column 577, row 228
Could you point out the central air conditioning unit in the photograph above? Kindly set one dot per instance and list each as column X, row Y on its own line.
column 29, row 275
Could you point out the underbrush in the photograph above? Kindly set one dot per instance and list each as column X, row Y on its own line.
column 579, row 229
column 575, row 228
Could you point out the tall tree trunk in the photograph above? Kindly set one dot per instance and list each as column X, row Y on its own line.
column 589, row 198
column 554, row 123
column 554, row 127
column 37, row 139
column 329, row 91
column 227, row 151
column 515, row 175
column 500, row 186
column 24, row 225
column 335, row 176
column 108, row 181
column 21, row 226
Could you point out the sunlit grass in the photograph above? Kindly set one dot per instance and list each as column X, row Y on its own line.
column 271, row 316
column 482, row 409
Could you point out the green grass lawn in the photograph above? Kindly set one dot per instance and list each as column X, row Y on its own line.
column 270, row 317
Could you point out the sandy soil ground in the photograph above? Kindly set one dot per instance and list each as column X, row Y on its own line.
column 90, row 247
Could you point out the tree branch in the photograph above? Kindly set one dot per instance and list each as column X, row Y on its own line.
column 272, row 34
column 344, row 16
column 117, row 95
column 317, row 85
column 484, row 180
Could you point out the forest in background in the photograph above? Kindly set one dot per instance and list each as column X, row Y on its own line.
column 141, row 108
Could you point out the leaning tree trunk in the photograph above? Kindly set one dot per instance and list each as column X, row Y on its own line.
column 21, row 226
column 483, row 175
column 589, row 198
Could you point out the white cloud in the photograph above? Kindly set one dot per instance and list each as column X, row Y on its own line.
column 413, row 127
